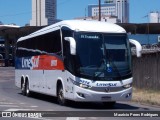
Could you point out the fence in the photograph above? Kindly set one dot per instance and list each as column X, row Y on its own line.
column 146, row 71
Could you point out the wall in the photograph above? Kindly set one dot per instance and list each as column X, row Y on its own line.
column 145, row 38
column 146, row 71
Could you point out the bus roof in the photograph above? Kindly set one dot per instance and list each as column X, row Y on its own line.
column 79, row 25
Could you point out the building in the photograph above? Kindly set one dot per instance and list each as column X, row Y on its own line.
column 122, row 10
column 154, row 17
column 104, row 18
column 119, row 8
column 44, row 12
column 106, row 9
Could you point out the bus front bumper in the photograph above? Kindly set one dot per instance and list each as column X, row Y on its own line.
column 87, row 95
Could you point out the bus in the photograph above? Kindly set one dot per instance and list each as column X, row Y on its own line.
column 77, row 60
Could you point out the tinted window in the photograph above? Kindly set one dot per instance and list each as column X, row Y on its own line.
column 43, row 44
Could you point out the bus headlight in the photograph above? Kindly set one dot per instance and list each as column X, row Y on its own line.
column 84, row 86
column 128, row 85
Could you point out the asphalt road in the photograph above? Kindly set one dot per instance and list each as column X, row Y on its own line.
column 11, row 99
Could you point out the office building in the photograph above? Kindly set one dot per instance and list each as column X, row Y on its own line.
column 44, row 12
column 119, row 8
column 106, row 9
column 122, row 10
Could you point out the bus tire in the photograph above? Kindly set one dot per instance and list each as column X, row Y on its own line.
column 60, row 95
column 109, row 104
column 23, row 88
column 28, row 93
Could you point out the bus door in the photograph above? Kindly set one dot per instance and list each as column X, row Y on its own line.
column 68, row 62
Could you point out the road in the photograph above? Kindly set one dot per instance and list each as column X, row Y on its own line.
column 11, row 99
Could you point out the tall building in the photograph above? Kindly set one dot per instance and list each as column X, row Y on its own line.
column 154, row 17
column 122, row 10
column 44, row 12
column 119, row 8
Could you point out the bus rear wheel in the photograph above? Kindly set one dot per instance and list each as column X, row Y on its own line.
column 28, row 93
column 23, row 89
column 60, row 96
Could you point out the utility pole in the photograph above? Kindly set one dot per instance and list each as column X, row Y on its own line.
column 99, row 10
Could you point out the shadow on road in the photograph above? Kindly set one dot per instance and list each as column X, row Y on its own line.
column 86, row 105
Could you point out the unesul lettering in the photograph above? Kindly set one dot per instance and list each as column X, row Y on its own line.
column 30, row 63
column 106, row 84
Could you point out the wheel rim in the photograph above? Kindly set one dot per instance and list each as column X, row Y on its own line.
column 27, row 90
column 23, row 89
column 61, row 97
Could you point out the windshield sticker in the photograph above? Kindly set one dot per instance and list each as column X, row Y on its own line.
column 109, row 69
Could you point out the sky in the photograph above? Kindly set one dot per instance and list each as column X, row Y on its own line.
column 19, row 11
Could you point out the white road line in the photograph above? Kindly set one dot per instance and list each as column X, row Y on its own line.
column 6, row 103
column 22, row 103
column 9, row 106
column 72, row 118
column 33, row 106
column 12, row 109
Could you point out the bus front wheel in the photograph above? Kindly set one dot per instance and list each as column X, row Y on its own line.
column 60, row 95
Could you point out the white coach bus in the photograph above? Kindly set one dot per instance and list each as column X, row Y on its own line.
column 87, row 61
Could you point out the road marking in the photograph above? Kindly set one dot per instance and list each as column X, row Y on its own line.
column 6, row 103
column 72, row 118
column 9, row 106
column 33, row 106
column 22, row 103
column 12, row 109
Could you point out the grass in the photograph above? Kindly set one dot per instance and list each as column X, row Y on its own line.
column 144, row 96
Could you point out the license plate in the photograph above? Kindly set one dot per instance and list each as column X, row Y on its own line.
column 106, row 98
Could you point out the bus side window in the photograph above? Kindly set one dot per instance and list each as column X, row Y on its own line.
column 49, row 43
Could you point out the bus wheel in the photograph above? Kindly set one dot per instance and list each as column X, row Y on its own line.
column 60, row 95
column 23, row 88
column 109, row 104
column 28, row 93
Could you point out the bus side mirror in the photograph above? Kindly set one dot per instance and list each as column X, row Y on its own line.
column 72, row 42
column 138, row 47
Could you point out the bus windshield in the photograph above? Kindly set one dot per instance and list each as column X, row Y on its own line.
column 102, row 56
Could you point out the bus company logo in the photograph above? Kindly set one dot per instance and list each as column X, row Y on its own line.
column 106, row 84
column 30, row 63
